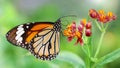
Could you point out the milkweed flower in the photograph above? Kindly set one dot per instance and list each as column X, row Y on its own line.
column 83, row 22
column 80, row 28
column 88, row 29
column 89, row 25
column 102, row 16
column 93, row 13
column 72, row 31
column 88, row 32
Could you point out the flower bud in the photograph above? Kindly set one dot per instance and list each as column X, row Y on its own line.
column 88, row 32
column 88, row 25
column 80, row 28
column 80, row 40
column 114, row 17
column 73, row 25
column 70, row 39
column 93, row 13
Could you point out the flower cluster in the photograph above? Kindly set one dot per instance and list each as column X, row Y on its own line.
column 101, row 16
column 73, row 31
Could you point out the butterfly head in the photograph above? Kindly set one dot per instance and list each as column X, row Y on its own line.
column 57, row 26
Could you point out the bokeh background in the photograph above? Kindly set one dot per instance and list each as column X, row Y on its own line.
column 15, row 12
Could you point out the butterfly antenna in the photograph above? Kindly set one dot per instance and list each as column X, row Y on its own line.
column 67, row 16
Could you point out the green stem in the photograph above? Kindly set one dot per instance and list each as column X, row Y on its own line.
column 99, row 44
column 84, row 50
column 98, row 25
column 88, row 61
column 89, row 56
column 89, row 53
column 107, row 25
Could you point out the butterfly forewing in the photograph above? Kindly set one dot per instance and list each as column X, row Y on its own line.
column 18, row 34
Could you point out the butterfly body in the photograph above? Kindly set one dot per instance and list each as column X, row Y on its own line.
column 42, row 39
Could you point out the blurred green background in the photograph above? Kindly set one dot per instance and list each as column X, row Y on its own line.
column 15, row 12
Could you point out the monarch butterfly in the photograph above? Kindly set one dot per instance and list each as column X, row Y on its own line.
column 42, row 39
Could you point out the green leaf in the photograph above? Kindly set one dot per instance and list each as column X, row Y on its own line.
column 108, row 58
column 71, row 58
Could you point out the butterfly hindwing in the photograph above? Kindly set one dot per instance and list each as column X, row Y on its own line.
column 45, row 46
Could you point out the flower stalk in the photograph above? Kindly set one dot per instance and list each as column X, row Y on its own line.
column 99, row 44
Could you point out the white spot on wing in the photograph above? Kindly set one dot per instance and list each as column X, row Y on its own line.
column 20, row 40
column 19, row 30
column 27, row 26
column 19, row 33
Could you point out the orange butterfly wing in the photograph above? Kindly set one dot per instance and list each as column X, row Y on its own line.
column 46, row 44
column 37, row 28
column 22, row 34
column 41, row 38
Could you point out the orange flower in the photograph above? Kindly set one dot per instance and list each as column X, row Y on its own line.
column 101, row 16
column 78, row 34
column 110, row 14
column 101, row 12
column 83, row 22
column 72, row 31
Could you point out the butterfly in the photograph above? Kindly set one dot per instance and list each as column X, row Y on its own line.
column 42, row 39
